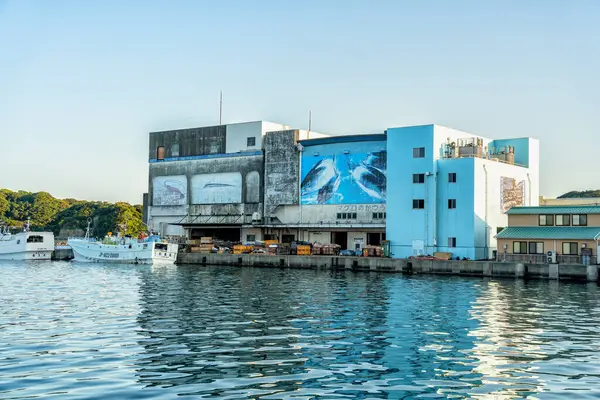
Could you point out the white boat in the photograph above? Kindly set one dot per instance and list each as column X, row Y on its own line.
column 26, row 245
column 124, row 250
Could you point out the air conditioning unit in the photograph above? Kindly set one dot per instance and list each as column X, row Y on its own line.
column 551, row 257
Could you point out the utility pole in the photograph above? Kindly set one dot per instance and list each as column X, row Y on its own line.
column 221, row 108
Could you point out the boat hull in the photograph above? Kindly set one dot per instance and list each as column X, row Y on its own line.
column 136, row 253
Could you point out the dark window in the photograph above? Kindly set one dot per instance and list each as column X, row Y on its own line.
column 570, row 249
column 580, row 220
column 452, row 177
column 419, row 152
column 536, row 247
column 251, row 141
column 175, row 150
column 418, row 203
column 385, row 215
column 451, row 203
column 250, row 238
column 35, row 239
column 519, row 247
column 160, row 153
column 563, row 220
column 546, row 220
column 378, row 215
column 451, row 242
column 339, row 215
column 418, row 178
column 353, row 215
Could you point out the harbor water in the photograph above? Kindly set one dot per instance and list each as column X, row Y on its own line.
column 80, row 331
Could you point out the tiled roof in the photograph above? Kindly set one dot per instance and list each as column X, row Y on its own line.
column 550, row 232
column 555, row 210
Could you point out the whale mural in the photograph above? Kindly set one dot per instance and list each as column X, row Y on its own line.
column 345, row 177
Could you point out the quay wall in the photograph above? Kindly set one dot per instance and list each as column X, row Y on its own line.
column 407, row 266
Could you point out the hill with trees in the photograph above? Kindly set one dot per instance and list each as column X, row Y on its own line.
column 68, row 217
column 580, row 194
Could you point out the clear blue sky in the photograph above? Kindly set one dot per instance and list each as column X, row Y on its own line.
column 83, row 82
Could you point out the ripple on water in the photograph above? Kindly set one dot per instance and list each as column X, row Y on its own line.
column 80, row 331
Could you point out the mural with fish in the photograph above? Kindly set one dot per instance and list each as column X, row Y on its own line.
column 169, row 190
column 344, row 176
column 218, row 188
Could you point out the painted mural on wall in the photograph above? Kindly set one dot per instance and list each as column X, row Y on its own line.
column 512, row 193
column 352, row 178
column 169, row 190
column 219, row 188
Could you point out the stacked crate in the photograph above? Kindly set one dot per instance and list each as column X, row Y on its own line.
column 372, row 251
column 331, row 249
column 303, row 250
column 317, row 249
column 242, row 249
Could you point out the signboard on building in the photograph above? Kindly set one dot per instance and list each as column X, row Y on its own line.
column 512, row 193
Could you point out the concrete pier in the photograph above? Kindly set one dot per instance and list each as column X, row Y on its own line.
column 407, row 266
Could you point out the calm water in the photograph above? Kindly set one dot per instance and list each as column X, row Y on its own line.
column 80, row 331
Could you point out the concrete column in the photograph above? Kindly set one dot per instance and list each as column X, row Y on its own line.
column 519, row 270
column 487, row 269
column 456, row 268
column 592, row 273
column 553, row 271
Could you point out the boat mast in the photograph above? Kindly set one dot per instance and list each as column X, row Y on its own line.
column 87, row 231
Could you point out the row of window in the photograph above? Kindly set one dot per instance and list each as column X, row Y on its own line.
column 160, row 150
column 419, row 204
column 568, row 248
column 563, row 220
column 352, row 215
column 420, row 178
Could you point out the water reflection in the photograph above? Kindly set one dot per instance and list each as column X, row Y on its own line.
column 73, row 331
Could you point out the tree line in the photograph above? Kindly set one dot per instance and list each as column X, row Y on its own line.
column 68, row 217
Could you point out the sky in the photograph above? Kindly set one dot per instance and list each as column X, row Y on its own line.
column 82, row 83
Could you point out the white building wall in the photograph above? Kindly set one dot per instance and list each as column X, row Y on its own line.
column 237, row 135
column 488, row 203
column 257, row 232
column 327, row 214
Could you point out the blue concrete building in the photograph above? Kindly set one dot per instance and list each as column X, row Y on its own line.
column 448, row 191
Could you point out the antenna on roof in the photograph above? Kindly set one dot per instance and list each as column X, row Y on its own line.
column 221, row 108
column 309, row 123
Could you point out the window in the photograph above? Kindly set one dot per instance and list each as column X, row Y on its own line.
column 378, row 215
column 536, row 247
column 580, row 220
column 251, row 141
column 418, row 178
column 339, row 216
column 175, row 150
column 452, row 177
column 563, row 220
column 451, row 242
column 35, row 239
column 347, row 216
column 570, row 249
column 451, row 204
column 546, row 220
column 418, row 204
column 250, row 238
column 419, row 152
column 160, row 153
column 519, row 247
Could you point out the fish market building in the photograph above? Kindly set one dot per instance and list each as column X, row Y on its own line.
column 448, row 190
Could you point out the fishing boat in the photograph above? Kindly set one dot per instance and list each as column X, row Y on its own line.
column 26, row 245
column 123, row 249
